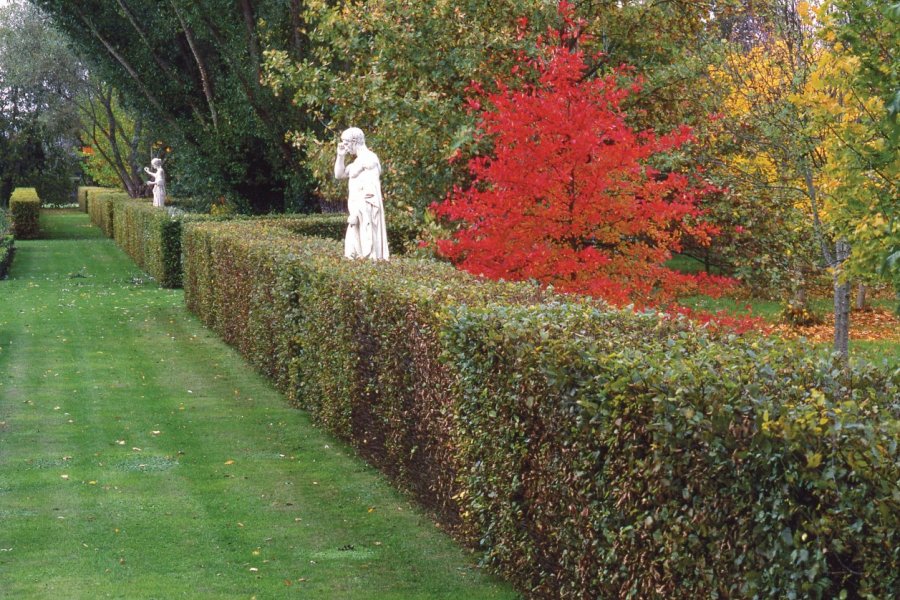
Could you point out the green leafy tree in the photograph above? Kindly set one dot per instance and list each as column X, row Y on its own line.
column 854, row 99
column 39, row 77
column 115, row 142
column 192, row 69
column 399, row 71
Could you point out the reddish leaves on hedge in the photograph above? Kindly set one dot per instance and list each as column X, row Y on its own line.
column 569, row 197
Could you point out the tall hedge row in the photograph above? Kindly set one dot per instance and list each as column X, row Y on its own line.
column 25, row 213
column 589, row 453
column 606, row 458
column 151, row 238
column 7, row 244
column 85, row 193
column 100, row 208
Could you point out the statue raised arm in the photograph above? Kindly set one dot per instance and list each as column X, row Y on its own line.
column 158, row 182
column 366, row 230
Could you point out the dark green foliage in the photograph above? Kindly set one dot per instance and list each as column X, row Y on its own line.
column 590, row 453
column 7, row 245
column 55, row 180
column 39, row 75
column 330, row 226
column 609, row 456
column 192, row 69
column 151, row 238
column 25, row 214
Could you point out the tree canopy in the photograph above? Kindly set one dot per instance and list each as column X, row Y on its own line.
column 193, row 70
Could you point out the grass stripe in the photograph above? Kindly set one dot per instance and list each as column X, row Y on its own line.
column 94, row 361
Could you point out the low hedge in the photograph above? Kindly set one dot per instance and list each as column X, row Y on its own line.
column 329, row 226
column 589, row 453
column 25, row 213
column 101, row 207
column 85, row 193
column 7, row 245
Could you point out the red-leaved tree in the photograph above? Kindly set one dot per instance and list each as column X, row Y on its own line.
column 568, row 196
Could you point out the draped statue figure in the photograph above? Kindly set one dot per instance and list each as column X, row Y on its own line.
column 158, row 182
column 366, row 231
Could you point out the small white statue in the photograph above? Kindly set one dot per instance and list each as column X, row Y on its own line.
column 158, row 182
column 366, row 231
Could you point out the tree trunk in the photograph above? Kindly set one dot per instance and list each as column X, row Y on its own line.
column 861, row 297
column 841, row 302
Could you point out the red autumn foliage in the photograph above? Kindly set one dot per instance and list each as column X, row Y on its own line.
column 569, row 197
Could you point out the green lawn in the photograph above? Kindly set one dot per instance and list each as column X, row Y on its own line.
column 142, row 458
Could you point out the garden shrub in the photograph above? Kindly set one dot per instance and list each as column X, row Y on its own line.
column 590, row 453
column 330, row 226
column 607, row 458
column 85, row 192
column 7, row 244
column 25, row 213
column 151, row 237
column 101, row 209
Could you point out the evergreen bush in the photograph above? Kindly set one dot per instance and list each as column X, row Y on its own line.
column 7, row 244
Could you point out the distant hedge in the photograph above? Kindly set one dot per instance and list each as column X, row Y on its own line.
column 7, row 245
column 589, row 453
column 85, row 192
column 151, row 236
column 101, row 206
column 25, row 213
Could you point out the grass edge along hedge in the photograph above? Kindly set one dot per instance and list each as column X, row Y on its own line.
column 25, row 213
column 588, row 453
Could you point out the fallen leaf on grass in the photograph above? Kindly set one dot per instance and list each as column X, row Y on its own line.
column 229, row 462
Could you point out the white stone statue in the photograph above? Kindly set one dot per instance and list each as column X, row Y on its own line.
column 366, row 231
column 158, row 182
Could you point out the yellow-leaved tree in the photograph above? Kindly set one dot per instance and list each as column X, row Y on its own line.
column 851, row 100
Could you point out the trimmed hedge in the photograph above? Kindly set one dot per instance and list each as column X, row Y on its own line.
column 101, row 207
column 607, row 460
column 86, row 192
column 25, row 213
column 7, row 245
column 589, row 453
column 329, row 226
column 151, row 238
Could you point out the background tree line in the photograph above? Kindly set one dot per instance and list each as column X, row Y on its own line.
column 793, row 105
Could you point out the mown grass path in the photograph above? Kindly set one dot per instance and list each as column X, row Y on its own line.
column 142, row 458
